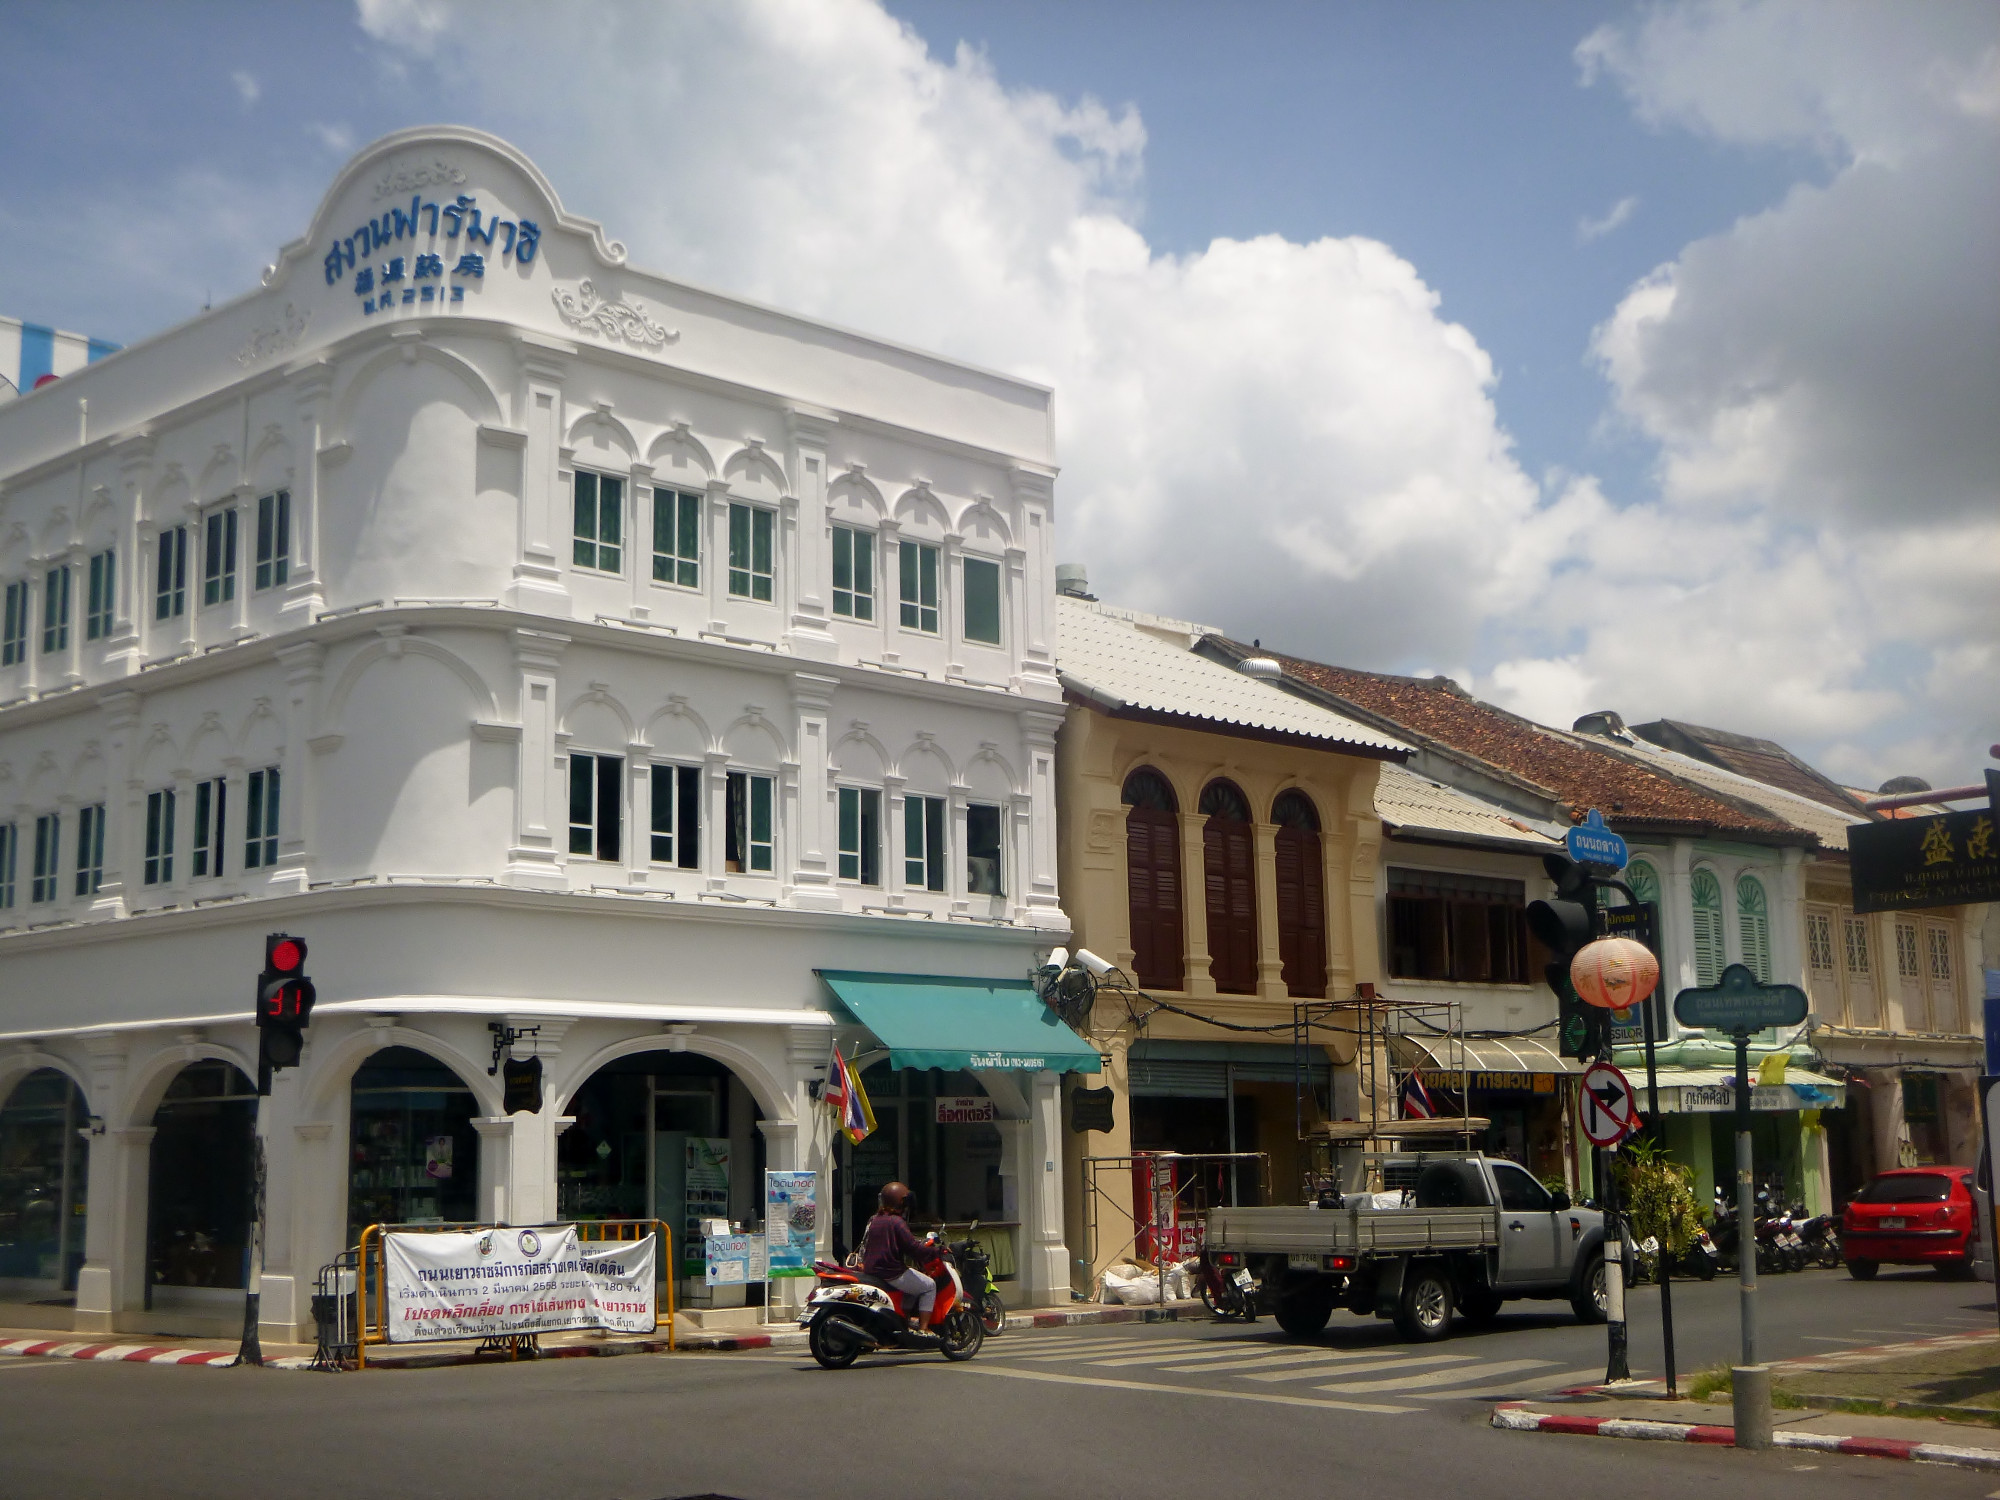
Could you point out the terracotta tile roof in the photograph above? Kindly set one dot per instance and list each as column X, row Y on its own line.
column 1568, row 766
column 1760, row 760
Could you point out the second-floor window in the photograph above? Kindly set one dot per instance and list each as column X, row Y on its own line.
column 274, row 540
column 171, row 574
column 1463, row 928
column 748, row 842
column 982, row 850
column 159, row 868
column 14, row 625
column 917, row 566
column 861, row 835
column 677, row 538
column 211, row 806
column 676, row 822
column 260, row 820
column 55, row 611
column 90, row 849
column 596, row 805
column 598, row 541
column 98, row 604
column 923, row 843
column 218, row 556
column 48, row 841
column 853, row 573
column 10, row 837
column 982, row 601
column 752, row 534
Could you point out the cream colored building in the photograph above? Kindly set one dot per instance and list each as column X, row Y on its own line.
column 1218, row 842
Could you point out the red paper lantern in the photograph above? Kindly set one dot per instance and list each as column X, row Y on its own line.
column 1615, row 973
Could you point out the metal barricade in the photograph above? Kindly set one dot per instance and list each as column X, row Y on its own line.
column 334, row 1313
column 371, row 1294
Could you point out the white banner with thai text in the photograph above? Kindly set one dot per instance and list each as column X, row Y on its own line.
column 489, row 1282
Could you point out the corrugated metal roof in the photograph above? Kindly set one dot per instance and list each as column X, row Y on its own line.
column 1122, row 659
column 1409, row 801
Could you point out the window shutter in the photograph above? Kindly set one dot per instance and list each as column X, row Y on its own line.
column 1229, row 872
column 1153, row 893
column 1707, row 928
column 1301, row 913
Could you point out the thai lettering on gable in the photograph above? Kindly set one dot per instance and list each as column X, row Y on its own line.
column 462, row 218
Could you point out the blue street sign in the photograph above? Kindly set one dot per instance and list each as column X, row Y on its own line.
column 1591, row 843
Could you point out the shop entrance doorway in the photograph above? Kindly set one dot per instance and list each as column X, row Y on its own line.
column 199, row 1184
column 44, row 1181
column 670, row 1136
column 413, row 1155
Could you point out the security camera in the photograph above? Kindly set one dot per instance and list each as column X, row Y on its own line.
column 1058, row 960
column 1092, row 962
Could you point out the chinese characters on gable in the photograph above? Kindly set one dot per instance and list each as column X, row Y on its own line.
column 425, row 275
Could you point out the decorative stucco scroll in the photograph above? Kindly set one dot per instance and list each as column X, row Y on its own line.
column 265, row 342
column 584, row 309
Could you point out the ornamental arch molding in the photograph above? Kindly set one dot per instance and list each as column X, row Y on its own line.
column 753, row 468
column 597, row 695
column 485, row 707
column 332, row 1072
column 682, row 724
column 677, row 444
column 15, row 1067
column 767, row 1087
column 600, row 428
column 150, row 1078
column 463, row 371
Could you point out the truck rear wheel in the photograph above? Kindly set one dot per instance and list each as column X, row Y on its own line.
column 1590, row 1299
column 1425, row 1311
column 1303, row 1314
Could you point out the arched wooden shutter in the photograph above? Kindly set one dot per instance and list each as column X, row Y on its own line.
column 1706, row 891
column 1153, row 881
column 1301, row 896
column 1230, row 880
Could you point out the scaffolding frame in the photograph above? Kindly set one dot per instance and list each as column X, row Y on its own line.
column 1096, row 1201
column 1373, row 1020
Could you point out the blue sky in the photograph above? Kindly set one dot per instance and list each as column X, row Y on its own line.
column 1715, row 453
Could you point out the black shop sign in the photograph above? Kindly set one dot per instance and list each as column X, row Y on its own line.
column 1911, row 864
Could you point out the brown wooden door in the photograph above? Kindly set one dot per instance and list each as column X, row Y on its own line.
column 1229, row 860
column 1302, row 913
column 1153, row 890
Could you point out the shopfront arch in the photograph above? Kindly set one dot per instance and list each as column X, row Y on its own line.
column 44, row 1181
column 413, row 1151
column 200, row 1180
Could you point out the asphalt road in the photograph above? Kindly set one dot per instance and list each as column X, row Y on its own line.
column 1143, row 1410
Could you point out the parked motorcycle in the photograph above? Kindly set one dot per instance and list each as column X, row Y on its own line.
column 1702, row 1258
column 1227, row 1294
column 976, row 1266
column 1821, row 1237
column 851, row 1313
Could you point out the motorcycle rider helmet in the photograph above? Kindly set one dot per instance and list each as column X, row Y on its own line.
column 896, row 1198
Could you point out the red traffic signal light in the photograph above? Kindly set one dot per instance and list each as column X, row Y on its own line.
column 284, row 956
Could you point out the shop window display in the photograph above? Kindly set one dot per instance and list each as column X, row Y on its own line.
column 413, row 1153
column 954, row 1166
column 44, row 1180
column 203, row 1143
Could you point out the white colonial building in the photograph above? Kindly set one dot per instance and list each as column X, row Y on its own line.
column 555, row 647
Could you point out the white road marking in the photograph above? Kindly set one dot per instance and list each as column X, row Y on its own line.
column 10, row 1365
column 1539, row 1384
column 1264, row 1352
column 1460, row 1376
column 1827, row 1338
column 1154, row 1387
column 1273, row 1361
column 1309, row 1372
column 1181, row 1352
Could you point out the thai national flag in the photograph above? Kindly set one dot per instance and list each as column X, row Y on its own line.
column 849, row 1100
column 1415, row 1099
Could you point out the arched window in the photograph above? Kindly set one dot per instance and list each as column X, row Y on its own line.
column 1301, row 895
column 413, row 1152
column 1753, row 926
column 1229, row 869
column 1707, row 893
column 1153, row 880
column 1645, row 882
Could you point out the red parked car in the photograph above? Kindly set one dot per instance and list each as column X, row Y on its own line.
column 1915, row 1216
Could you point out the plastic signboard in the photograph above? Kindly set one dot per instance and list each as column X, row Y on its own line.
column 791, row 1223
column 1740, row 1004
column 1591, row 843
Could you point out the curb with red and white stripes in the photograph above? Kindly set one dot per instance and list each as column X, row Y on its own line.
column 129, row 1354
column 1515, row 1417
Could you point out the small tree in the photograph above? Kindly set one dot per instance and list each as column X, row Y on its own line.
column 1659, row 1196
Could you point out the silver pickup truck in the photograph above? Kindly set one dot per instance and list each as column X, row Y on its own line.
column 1468, row 1233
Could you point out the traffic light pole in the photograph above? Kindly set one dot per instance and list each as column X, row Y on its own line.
column 251, row 1352
column 1617, row 1362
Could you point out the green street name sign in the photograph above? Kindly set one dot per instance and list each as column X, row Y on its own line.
column 1740, row 1003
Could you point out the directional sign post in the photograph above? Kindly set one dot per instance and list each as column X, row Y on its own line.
column 1610, row 1113
column 1739, row 1005
column 1592, row 843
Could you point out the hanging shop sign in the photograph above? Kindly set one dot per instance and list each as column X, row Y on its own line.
column 1090, row 1109
column 491, row 1282
column 965, row 1109
column 791, row 1223
column 1913, row 864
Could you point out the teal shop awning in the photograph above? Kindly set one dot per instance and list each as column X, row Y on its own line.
column 931, row 1021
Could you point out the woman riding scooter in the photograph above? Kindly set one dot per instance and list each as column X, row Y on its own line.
column 887, row 1248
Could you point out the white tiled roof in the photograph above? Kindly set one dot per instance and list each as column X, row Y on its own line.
column 1407, row 800
column 1122, row 659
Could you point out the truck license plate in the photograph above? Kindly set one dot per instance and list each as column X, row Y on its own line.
column 1892, row 1223
column 1302, row 1262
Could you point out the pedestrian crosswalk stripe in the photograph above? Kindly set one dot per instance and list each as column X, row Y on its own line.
column 1463, row 1375
column 1105, row 1382
column 1308, row 1372
column 1178, row 1352
column 1218, row 1358
column 1514, row 1388
column 1264, row 1361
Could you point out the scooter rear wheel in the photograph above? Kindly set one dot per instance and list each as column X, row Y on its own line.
column 834, row 1350
column 992, row 1313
